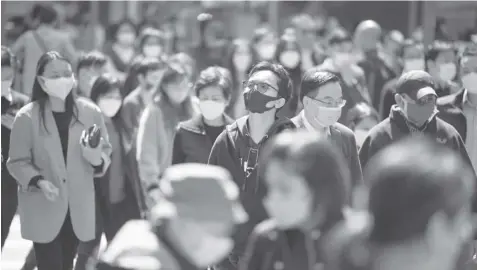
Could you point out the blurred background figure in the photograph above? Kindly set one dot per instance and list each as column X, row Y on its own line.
column 120, row 46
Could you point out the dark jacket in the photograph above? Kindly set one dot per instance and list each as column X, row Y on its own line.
column 450, row 110
column 443, row 88
column 235, row 150
column 344, row 139
column 395, row 128
column 191, row 143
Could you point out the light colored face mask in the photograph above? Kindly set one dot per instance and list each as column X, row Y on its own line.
column 321, row 117
column 211, row 109
column 6, row 88
column 126, row 38
column 290, row 59
column 59, row 87
column 109, row 106
column 447, row 71
column 267, row 52
column 242, row 61
column 414, row 64
column 152, row 50
column 469, row 81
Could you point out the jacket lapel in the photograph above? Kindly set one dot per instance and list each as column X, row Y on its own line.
column 335, row 135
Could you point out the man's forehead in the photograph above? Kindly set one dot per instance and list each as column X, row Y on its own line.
column 265, row 76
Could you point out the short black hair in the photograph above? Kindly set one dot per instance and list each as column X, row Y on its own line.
column 319, row 162
column 360, row 112
column 91, row 59
column 103, row 85
column 150, row 32
column 44, row 12
column 436, row 48
column 147, row 64
column 285, row 84
column 7, row 57
column 338, row 37
column 315, row 78
column 214, row 76
column 412, row 180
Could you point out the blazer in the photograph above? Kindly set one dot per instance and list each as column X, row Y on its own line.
column 36, row 151
column 344, row 139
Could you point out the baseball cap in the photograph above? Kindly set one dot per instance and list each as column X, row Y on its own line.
column 416, row 84
column 200, row 192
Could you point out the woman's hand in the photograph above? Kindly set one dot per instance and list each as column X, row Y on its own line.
column 49, row 190
column 92, row 155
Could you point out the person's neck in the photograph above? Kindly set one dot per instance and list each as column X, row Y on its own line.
column 407, row 256
column 217, row 122
column 57, row 105
column 260, row 123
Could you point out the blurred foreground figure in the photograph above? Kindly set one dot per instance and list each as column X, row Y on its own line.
column 186, row 230
column 420, row 200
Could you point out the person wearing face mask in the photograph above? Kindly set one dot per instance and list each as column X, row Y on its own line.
column 415, row 114
column 361, row 119
column 90, row 66
column 151, row 43
column 412, row 59
column 289, row 56
column 195, row 137
column 377, row 72
column 308, row 185
column 460, row 109
column 341, row 63
column 264, row 44
column 441, row 59
column 186, row 230
column 148, row 73
column 11, row 102
column 240, row 63
column 392, row 46
column 54, row 160
column 121, row 49
column 238, row 147
column 171, row 105
column 322, row 98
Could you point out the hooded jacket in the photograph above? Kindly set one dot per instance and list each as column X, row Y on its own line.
column 235, row 150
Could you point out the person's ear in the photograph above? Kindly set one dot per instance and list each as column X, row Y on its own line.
column 280, row 103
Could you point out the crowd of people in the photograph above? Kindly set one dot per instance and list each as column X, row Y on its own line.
column 312, row 149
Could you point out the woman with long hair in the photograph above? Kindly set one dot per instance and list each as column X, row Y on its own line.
column 59, row 143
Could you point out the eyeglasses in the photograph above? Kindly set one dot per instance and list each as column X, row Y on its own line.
column 258, row 86
column 425, row 100
column 330, row 103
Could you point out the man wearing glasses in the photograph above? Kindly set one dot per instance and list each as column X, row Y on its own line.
column 322, row 99
column 414, row 114
column 238, row 147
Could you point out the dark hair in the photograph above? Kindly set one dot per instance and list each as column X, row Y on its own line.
column 7, row 57
column 410, row 181
column 113, row 29
column 173, row 73
column 230, row 61
column 131, row 81
column 285, row 85
column 314, row 79
column 40, row 96
column 45, row 13
column 147, row 64
column 91, row 59
column 436, row 48
column 338, row 37
column 103, row 85
column 184, row 60
column 259, row 34
column 150, row 32
column 214, row 76
column 320, row 164
column 360, row 112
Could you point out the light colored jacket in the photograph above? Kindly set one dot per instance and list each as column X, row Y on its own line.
column 35, row 151
column 29, row 50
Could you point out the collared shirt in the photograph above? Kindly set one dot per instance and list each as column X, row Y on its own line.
column 470, row 112
column 309, row 127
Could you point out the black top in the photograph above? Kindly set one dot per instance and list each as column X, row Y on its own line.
column 63, row 120
column 213, row 132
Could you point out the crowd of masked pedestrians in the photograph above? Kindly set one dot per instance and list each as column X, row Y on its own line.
column 315, row 148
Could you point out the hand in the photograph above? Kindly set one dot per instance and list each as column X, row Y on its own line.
column 92, row 155
column 49, row 190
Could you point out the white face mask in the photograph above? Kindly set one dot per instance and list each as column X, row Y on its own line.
column 152, row 50
column 126, row 38
column 447, row 71
column 59, row 87
column 290, row 59
column 6, row 88
column 360, row 136
column 267, row 52
column 109, row 106
column 211, row 250
column 242, row 61
column 469, row 81
column 211, row 109
column 414, row 64
column 177, row 96
column 341, row 59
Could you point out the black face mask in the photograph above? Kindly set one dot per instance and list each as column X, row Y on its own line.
column 256, row 102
